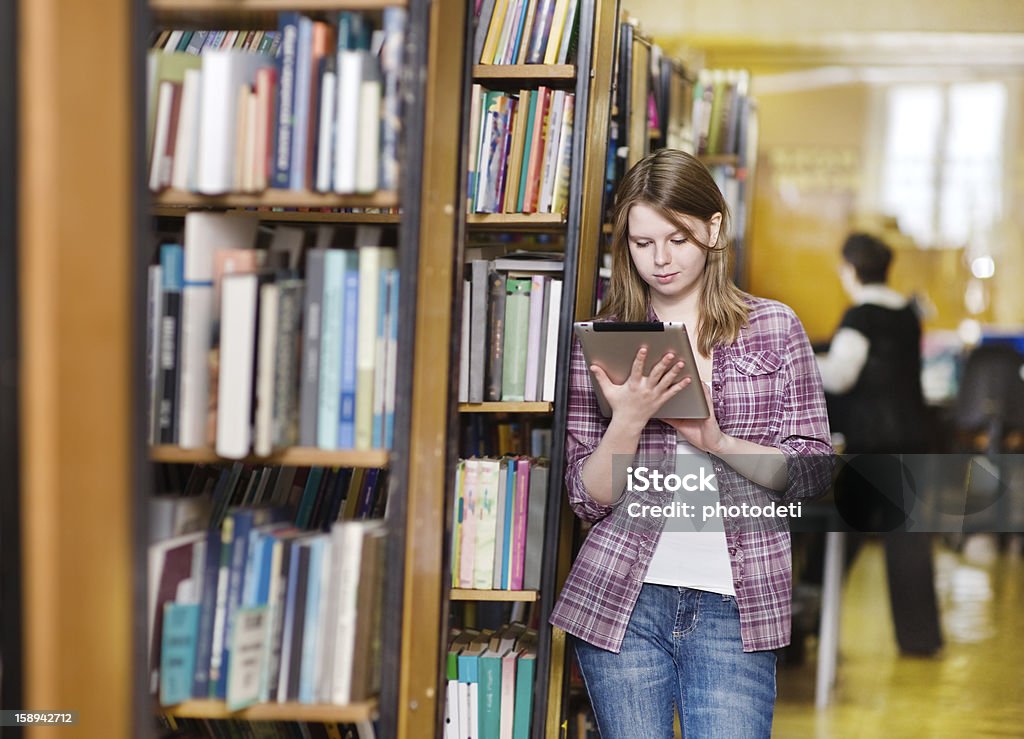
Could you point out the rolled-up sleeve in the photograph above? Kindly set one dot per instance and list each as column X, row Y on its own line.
column 585, row 427
column 805, row 438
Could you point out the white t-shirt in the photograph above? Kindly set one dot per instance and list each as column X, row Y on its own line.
column 692, row 559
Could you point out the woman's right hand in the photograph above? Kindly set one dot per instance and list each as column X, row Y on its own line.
column 637, row 399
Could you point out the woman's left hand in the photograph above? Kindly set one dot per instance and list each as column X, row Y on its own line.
column 703, row 433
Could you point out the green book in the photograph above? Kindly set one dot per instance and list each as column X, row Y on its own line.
column 517, row 326
column 525, row 668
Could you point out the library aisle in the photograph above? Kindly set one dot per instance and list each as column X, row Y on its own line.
column 973, row 688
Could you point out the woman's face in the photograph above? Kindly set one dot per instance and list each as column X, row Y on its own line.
column 666, row 259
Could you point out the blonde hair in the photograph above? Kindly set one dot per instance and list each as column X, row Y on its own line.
column 673, row 182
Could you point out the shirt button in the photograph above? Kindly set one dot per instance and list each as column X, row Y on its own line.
column 732, row 551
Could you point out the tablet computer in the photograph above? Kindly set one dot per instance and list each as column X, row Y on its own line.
column 613, row 347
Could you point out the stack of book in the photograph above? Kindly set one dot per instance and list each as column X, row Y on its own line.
column 520, row 150
column 259, row 609
column 525, row 31
column 509, row 329
column 312, row 106
column 248, row 355
column 498, row 523
column 720, row 109
column 489, row 689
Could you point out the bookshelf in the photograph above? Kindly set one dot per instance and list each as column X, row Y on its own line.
column 407, row 703
column 589, row 79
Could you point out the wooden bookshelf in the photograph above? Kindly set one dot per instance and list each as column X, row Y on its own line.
column 495, row 407
column 518, row 221
column 293, row 457
column 213, row 709
column 290, row 216
column 273, row 198
column 527, row 596
column 540, row 72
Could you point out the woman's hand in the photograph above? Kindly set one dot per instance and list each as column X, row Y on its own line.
column 640, row 396
column 702, row 433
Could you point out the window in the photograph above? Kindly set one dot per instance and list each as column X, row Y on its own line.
column 942, row 172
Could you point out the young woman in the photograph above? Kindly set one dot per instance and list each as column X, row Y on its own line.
column 663, row 617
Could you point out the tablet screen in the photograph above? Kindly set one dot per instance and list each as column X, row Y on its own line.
column 613, row 347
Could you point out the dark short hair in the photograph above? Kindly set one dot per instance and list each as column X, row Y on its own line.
column 869, row 256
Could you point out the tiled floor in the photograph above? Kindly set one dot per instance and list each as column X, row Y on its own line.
column 974, row 688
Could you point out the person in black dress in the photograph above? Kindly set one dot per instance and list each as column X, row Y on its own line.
column 872, row 373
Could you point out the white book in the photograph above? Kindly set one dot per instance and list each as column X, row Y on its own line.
column 237, row 346
column 248, row 653
column 223, row 73
column 464, row 343
column 368, row 136
column 487, row 523
column 325, row 145
column 534, row 336
column 549, row 168
column 265, row 361
column 249, row 160
column 551, row 352
column 499, row 529
column 346, row 132
column 205, row 234
column 154, row 307
column 465, row 712
column 347, row 546
column 164, row 103
column 183, row 171
column 172, row 42
column 451, row 710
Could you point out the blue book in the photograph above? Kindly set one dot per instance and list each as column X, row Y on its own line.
column 178, row 652
column 284, row 109
column 201, row 676
column 380, row 364
column 309, row 493
column 331, row 323
column 349, row 336
column 510, row 495
column 319, row 549
column 244, row 519
column 301, row 112
column 392, row 373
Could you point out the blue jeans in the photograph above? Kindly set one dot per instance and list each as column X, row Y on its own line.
column 681, row 647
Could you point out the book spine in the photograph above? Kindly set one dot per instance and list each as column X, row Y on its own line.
column 496, row 335
column 285, row 110
column 172, row 274
column 533, row 337
column 349, row 349
column 301, row 106
column 309, row 388
column 517, row 316
column 330, row 350
column 395, row 21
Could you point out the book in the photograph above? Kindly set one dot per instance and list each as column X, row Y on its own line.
column 178, row 651
column 516, row 329
column 372, row 260
column 284, row 113
column 171, row 273
column 312, row 323
column 223, row 72
column 239, row 311
column 206, row 233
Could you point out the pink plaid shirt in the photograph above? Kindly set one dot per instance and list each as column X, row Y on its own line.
column 765, row 389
